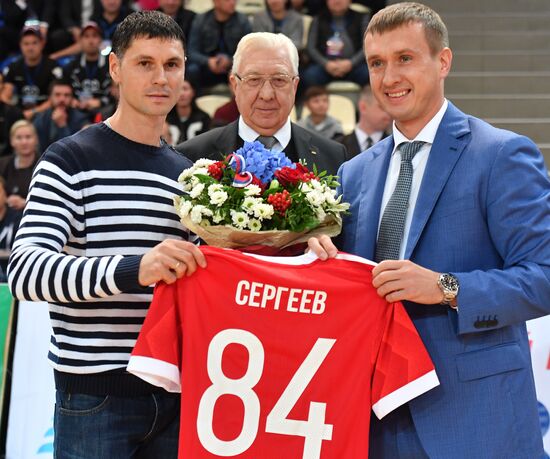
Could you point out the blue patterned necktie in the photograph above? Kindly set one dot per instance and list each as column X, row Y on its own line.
column 392, row 225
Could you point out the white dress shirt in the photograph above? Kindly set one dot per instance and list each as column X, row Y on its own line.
column 282, row 135
column 362, row 137
column 427, row 135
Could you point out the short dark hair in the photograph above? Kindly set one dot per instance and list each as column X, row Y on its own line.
column 59, row 82
column 314, row 91
column 399, row 14
column 145, row 24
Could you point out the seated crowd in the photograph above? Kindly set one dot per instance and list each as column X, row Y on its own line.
column 54, row 75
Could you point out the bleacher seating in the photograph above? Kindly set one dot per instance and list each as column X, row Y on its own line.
column 341, row 108
column 211, row 102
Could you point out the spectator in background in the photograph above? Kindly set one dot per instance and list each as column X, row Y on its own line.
column 29, row 77
column 318, row 120
column 108, row 16
column 9, row 114
column 264, row 79
column 61, row 119
column 17, row 168
column 226, row 113
column 373, row 5
column 89, row 72
column 335, row 46
column 12, row 19
column 212, row 41
column 187, row 119
column 310, row 7
column 278, row 17
column 374, row 125
column 73, row 13
column 9, row 222
column 46, row 15
column 175, row 9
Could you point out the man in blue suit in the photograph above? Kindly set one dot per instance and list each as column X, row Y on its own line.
column 471, row 218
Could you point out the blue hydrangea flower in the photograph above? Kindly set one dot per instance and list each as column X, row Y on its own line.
column 263, row 162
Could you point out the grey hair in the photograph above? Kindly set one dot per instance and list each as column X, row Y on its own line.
column 265, row 40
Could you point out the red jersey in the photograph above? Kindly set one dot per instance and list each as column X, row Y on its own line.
column 280, row 357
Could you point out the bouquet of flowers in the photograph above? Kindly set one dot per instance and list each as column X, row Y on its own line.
column 256, row 197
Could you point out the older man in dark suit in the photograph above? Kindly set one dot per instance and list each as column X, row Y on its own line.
column 264, row 79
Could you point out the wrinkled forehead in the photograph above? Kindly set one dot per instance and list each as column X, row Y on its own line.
column 267, row 61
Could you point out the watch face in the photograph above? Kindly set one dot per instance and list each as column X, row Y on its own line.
column 449, row 282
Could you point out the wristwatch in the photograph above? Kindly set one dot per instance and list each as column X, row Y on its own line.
column 449, row 286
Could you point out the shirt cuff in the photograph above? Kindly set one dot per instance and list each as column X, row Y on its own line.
column 127, row 273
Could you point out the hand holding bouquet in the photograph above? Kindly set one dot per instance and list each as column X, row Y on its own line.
column 258, row 196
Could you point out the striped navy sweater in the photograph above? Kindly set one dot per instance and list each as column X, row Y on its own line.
column 97, row 203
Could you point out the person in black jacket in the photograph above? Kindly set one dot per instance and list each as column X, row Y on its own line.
column 212, row 41
column 374, row 125
column 183, row 16
column 187, row 119
column 9, row 114
column 264, row 79
column 335, row 46
column 88, row 73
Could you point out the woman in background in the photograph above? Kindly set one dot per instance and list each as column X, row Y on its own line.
column 17, row 168
column 186, row 119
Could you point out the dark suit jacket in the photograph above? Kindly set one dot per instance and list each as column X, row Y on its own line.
column 352, row 145
column 314, row 149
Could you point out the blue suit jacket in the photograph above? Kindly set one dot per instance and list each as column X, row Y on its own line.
column 483, row 213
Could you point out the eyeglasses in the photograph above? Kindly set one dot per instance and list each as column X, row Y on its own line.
column 277, row 81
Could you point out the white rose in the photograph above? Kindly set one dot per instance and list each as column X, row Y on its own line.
column 196, row 214
column 201, row 171
column 203, row 162
column 218, row 197
column 315, row 198
column 218, row 217
column 252, row 190
column 263, row 211
column 249, row 204
column 185, row 208
column 197, row 190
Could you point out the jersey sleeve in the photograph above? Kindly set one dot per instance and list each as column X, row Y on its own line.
column 156, row 357
column 403, row 369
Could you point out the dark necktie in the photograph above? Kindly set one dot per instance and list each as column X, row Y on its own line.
column 268, row 141
column 368, row 143
column 392, row 225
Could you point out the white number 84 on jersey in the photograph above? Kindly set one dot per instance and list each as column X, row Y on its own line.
column 314, row 430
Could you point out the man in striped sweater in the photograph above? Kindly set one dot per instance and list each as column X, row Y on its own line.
column 98, row 230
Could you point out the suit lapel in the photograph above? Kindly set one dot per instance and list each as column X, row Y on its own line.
column 375, row 170
column 304, row 149
column 228, row 140
column 449, row 142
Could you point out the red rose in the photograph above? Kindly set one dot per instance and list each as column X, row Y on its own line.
column 256, row 181
column 292, row 176
column 307, row 175
column 215, row 170
column 289, row 176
